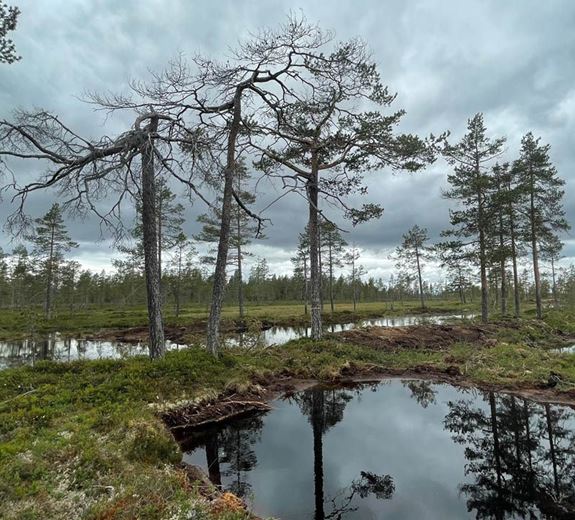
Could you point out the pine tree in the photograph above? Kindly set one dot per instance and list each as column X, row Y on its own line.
column 542, row 192
column 351, row 256
column 8, row 22
column 412, row 252
column 332, row 247
column 51, row 241
column 180, row 267
column 470, row 183
column 550, row 251
column 301, row 269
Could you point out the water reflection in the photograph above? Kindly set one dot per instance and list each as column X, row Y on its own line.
column 404, row 449
column 59, row 348
column 280, row 335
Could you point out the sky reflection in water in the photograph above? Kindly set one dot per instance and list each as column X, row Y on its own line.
column 398, row 450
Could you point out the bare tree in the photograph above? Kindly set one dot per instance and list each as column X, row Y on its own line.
column 101, row 176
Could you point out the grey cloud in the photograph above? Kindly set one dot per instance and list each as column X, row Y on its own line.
column 445, row 59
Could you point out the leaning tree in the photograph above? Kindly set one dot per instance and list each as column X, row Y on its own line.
column 319, row 136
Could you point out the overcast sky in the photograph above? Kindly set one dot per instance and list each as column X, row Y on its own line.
column 513, row 61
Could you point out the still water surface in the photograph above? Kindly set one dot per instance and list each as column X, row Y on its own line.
column 60, row 348
column 397, row 450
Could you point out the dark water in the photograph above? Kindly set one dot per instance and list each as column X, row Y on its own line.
column 60, row 348
column 397, row 450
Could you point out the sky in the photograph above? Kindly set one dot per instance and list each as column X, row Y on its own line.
column 446, row 60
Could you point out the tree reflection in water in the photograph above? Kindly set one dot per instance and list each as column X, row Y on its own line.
column 519, row 455
column 324, row 409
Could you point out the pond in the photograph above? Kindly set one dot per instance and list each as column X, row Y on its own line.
column 397, row 450
column 61, row 348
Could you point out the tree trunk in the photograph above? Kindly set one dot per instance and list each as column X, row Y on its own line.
column 313, row 230
column 554, row 286
column 219, row 286
column 484, row 285
column 332, row 306
column 239, row 252
column 502, row 268
column 535, row 253
column 482, row 249
column 419, row 278
column 320, row 267
column 516, row 298
column 306, row 285
column 177, row 292
column 157, row 346
column 49, row 276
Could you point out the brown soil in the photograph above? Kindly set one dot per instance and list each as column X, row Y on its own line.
column 436, row 337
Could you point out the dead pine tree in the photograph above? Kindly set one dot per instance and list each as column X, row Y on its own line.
column 223, row 97
column 100, row 173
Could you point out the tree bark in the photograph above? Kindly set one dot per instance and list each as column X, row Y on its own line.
column 313, row 230
column 516, row 298
column 157, row 346
column 535, row 254
column 49, row 276
column 306, row 285
column 219, row 286
column 332, row 306
column 502, row 268
column 239, row 252
column 419, row 278
column 554, row 286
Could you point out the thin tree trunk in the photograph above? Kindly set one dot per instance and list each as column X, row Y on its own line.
column 332, row 305
column 535, row 253
column 239, row 253
column 419, row 278
column 516, row 298
column 219, row 285
column 320, row 265
column 49, row 276
column 534, row 250
column 502, row 268
column 306, row 285
column 313, row 230
column 484, row 284
column 482, row 250
column 554, row 286
column 157, row 345
column 178, row 283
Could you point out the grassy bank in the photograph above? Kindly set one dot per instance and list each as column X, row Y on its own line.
column 16, row 324
column 83, row 440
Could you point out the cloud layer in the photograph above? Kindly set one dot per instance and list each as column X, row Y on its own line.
column 446, row 60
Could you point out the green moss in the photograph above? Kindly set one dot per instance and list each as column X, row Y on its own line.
column 82, row 439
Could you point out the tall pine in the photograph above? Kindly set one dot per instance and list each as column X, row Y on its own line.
column 470, row 185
